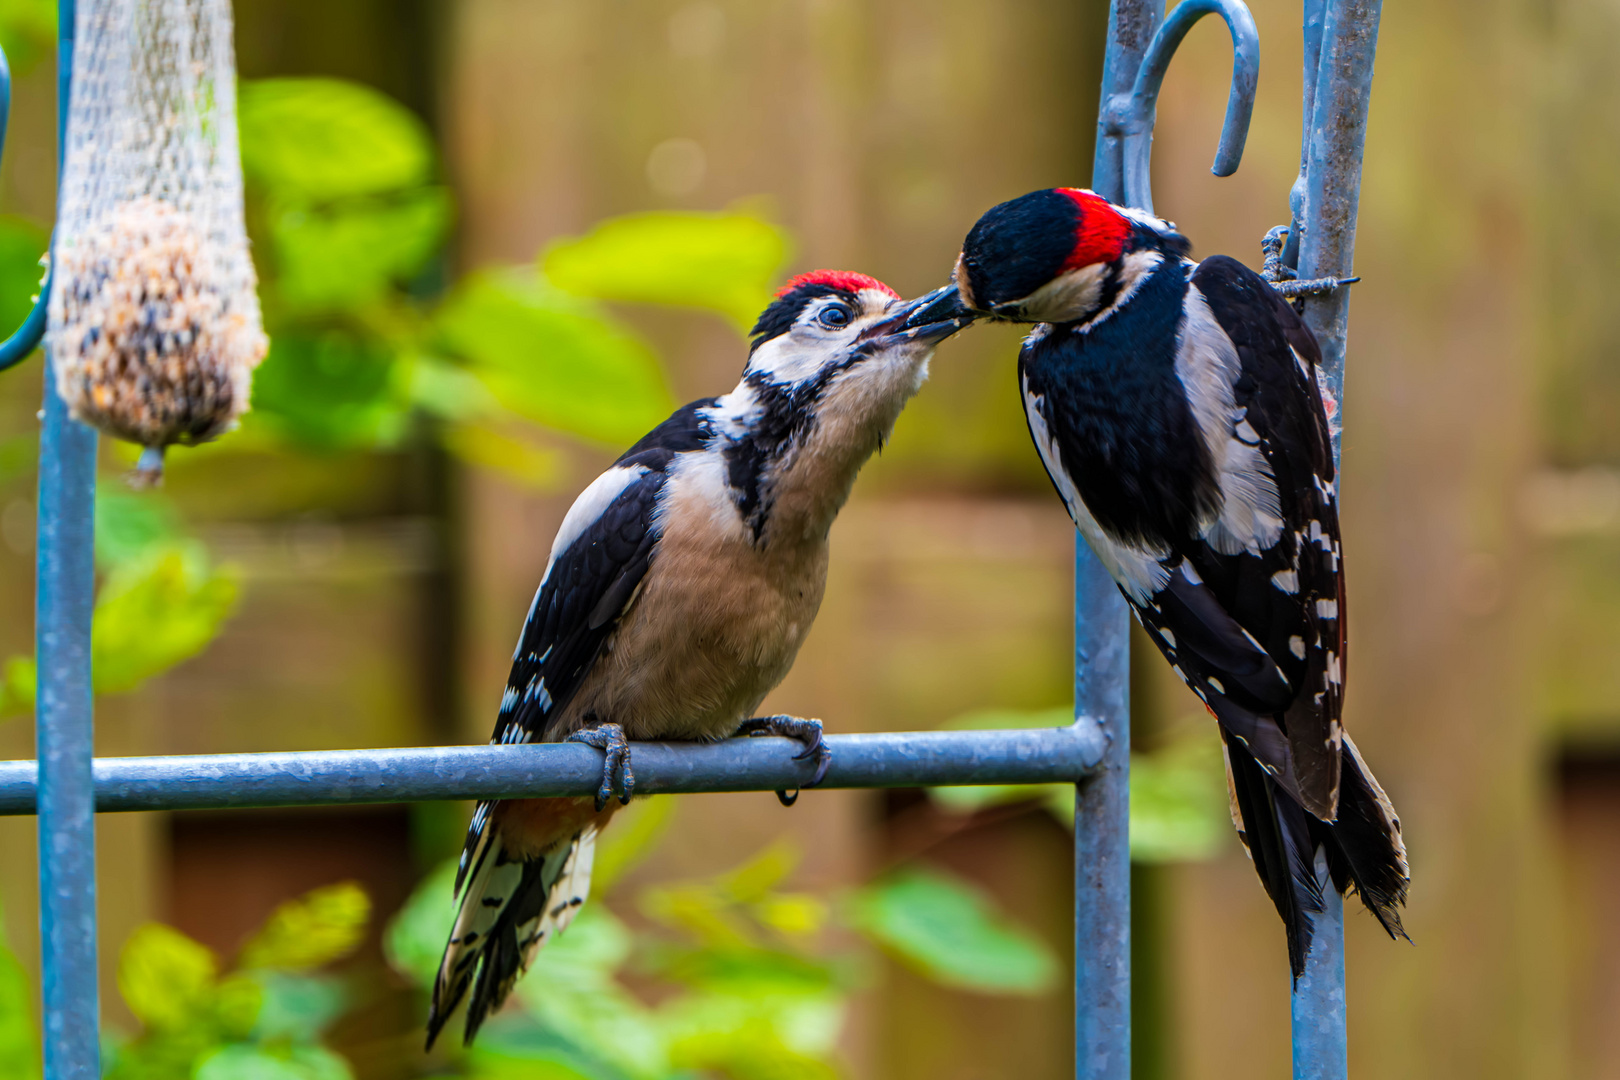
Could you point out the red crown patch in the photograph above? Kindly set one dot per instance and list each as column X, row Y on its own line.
column 845, row 280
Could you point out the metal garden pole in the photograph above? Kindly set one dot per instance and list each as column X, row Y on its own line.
column 1102, row 805
column 1140, row 45
column 1341, row 42
column 64, row 596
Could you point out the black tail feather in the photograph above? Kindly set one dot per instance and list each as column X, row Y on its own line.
column 1279, row 836
column 1367, row 852
column 1363, row 846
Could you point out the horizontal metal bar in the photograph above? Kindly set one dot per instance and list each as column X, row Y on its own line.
column 891, row 759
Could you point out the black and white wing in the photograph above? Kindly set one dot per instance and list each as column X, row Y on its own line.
column 1272, row 562
column 603, row 549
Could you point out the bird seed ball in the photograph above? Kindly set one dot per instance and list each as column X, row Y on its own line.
column 151, row 348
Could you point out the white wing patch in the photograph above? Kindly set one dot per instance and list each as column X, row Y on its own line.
column 1137, row 571
column 591, row 504
column 1207, row 364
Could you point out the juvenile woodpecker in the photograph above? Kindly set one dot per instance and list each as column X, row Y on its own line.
column 680, row 586
column 1180, row 413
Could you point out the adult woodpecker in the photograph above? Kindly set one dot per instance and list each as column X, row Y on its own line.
column 680, row 585
column 1180, row 413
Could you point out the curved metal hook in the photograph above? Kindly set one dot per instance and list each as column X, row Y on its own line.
column 19, row 345
column 1137, row 113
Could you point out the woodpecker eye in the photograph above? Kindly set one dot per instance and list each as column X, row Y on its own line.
column 835, row 316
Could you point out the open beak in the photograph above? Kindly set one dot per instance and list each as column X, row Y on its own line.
column 929, row 318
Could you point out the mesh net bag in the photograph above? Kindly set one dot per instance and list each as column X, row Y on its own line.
column 154, row 326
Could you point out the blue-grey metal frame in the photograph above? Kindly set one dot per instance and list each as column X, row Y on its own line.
column 66, row 787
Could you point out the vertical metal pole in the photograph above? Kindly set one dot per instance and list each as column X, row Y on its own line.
column 1102, row 846
column 63, row 712
column 1336, row 136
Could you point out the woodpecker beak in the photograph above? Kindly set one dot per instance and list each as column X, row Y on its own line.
column 929, row 318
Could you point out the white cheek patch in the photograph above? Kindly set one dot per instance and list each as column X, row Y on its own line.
column 787, row 359
column 1207, row 364
column 1139, row 572
column 1134, row 269
column 1069, row 296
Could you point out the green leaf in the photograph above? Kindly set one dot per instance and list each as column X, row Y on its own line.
column 414, row 941
column 725, row 263
column 329, row 391
column 949, row 932
column 297, row 1007
column 1179, row 810
column 130, row 525
column 238, row 1001
column 19, row 1045
column 18, row 681
column 344, row 256
column 156, row 611
column 554, row 358
column 249, row 1062
column 323, row 925
column 161, row 604
column 321, row 139
column 511, row 1049
column 27, row 33
column 166, row 978
column 22, row 245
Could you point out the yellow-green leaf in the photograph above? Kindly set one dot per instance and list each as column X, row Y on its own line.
column 155, row 612
column 726, row 263
column 323, row 925
column 166, row 978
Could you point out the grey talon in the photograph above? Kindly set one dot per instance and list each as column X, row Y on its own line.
column 807, row 732
column 609, row 738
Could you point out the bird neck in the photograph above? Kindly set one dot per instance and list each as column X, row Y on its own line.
column 790, row 476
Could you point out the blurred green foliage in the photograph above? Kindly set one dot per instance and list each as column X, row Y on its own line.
column 350, row 217
column 346, row 201
column 162, row 600
column 260, row 1019
column 19, row 1042
column 747, row 987
column 27, row 33
column 1179, row 807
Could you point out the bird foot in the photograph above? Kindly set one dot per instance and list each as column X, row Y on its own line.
column 1284, row 278
column 807, row 732
column 616, row 771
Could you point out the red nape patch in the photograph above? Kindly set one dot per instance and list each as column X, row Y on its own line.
column 1100, row 234
column 847, row 280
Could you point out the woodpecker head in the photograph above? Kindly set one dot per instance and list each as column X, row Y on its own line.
column 834, row 359
column 1059, row 255
column 835, row 342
